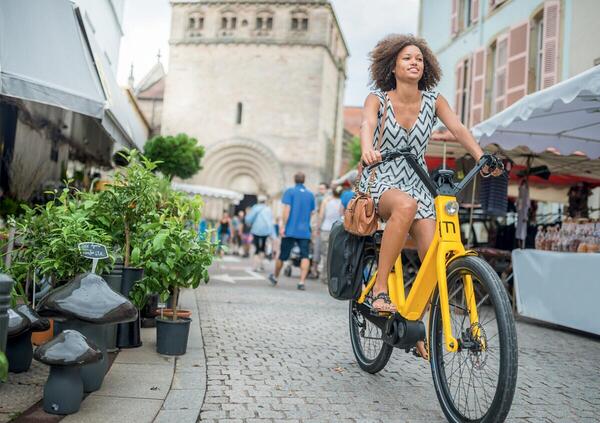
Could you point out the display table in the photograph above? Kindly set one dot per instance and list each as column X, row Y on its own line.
column 559, row 288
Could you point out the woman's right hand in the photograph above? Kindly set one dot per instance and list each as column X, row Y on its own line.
column 370, row 157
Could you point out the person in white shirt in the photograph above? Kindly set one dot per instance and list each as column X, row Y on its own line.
column 331, row 211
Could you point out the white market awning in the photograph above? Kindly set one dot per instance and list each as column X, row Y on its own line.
column 44, row 57
column 211, row 192
column 564, row 118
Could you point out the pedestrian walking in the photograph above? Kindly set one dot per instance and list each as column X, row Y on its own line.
column 260, row 219
column 330, row 212
column 246, row 236
column 322, row 194
column 298, row 206
column 225, row 231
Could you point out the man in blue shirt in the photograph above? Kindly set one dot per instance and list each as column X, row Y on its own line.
column 298, row 205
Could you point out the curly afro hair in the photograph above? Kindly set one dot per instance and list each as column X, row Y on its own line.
column 383, row 61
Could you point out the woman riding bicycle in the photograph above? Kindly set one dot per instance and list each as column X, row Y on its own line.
column 404, row 72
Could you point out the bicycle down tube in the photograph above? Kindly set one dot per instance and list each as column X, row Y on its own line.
column 446, row 246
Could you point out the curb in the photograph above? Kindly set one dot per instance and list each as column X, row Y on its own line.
column 188, row 387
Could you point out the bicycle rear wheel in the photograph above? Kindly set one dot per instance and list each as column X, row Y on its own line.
column 476, row 383
column 372, row 354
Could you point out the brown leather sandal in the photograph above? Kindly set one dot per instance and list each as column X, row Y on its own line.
column 385, row 306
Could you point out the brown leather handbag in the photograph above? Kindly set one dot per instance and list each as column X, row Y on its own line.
column 360, row 217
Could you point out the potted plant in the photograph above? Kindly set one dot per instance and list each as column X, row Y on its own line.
column 125, row 205
column 174, row 257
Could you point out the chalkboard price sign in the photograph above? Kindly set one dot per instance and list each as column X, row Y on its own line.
column 93, row 250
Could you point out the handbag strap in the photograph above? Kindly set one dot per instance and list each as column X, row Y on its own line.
column 379, row 140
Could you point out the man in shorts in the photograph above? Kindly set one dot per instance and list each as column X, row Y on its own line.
column 298, row 206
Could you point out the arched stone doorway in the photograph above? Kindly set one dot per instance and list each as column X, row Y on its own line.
column 242, row 165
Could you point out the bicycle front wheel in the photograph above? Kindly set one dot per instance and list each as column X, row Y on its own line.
column 476, row 383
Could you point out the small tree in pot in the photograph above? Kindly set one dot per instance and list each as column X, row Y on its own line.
column 174, row 257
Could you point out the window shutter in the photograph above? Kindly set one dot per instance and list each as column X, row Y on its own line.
column 459, row 75
column 500, row 73
column 477, row 86
column 474, row 11
column 454, row 18
column 517, row 67
column 550, row 43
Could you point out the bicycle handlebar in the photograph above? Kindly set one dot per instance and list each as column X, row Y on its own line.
column 450, row 188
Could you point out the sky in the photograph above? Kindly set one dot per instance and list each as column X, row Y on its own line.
column 147, row 24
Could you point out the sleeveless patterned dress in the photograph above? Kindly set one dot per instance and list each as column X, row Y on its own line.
column 398, row 173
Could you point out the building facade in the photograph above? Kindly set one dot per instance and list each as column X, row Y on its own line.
column 260, row 83
column 494, row 52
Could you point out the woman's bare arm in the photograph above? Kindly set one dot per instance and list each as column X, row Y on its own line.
column 367, row 130
column 455, row 126
column 460, row 132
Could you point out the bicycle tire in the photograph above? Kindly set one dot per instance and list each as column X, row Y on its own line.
column 500, row 400
column 381, row 355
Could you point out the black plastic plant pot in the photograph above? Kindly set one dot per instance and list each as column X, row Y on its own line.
column 128, row 334
column 114, row 279
column 6, row 284
column 19, row 352
column 92, row 374
column 172, row 336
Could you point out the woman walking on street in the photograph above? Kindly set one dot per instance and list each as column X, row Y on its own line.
column 329, row 213
column 404, row 72
column 260, row 220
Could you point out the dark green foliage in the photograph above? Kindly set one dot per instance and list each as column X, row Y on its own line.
column 176, row 155
column 355, row 151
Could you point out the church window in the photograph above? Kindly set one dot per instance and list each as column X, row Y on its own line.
column 195, row 23
column 223, row 23
column 192, row 23
column 233, row 22
column 299, row 21
column 238, row 119
column 264, row 22
column 200, row 23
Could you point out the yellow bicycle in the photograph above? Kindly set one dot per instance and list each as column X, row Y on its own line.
column 471, row 336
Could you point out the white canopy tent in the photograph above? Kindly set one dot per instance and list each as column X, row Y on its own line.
column 215, row 199
column 563, row 120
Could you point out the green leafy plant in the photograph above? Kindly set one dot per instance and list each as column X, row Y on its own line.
column 170, row 250
column 355, row 151
column 129, row 202
column 49, row 236
column 175, row 155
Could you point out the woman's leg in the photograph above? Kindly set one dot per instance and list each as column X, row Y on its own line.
column 398, row 209
column 422, row 231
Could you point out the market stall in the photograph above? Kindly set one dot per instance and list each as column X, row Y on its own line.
column 550, row 133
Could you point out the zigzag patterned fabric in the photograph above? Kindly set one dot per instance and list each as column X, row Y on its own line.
column 397, row 173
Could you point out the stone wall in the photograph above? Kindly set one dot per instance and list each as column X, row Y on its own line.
column 289, row 83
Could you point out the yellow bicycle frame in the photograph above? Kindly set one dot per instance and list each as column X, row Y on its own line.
column 445, row 247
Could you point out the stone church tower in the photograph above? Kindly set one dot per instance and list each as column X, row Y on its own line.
column 260, row 83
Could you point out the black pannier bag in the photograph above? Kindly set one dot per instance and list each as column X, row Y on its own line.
column 344, row 263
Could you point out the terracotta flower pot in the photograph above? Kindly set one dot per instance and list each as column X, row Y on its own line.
column 39, row 338
column 168, row 312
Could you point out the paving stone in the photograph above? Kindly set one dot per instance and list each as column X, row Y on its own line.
column 285, row 355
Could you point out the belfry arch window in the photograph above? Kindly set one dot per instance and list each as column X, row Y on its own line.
column 299, row 21
column 228, row 23
column 264, row 22
column 195, row 24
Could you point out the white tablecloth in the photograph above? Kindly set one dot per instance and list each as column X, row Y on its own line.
column 559, row 288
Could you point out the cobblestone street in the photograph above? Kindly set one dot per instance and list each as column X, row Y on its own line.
column 279, row 354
